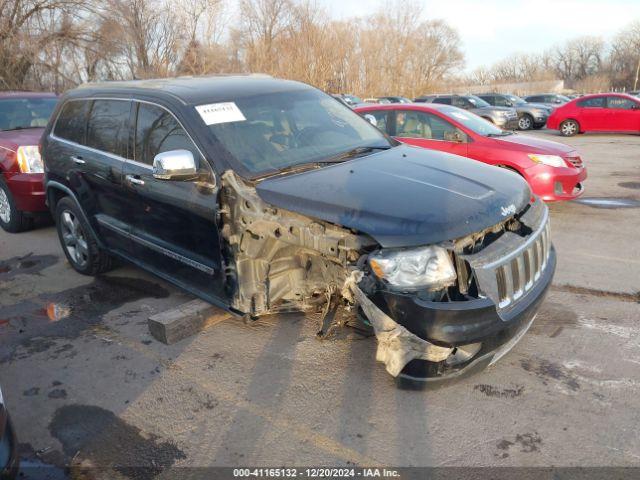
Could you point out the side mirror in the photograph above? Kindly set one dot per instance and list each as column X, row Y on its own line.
column 174, row 165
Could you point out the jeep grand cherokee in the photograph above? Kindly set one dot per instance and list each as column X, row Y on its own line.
column 263, row 196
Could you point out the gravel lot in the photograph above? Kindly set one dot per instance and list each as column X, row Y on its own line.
column 96, row 388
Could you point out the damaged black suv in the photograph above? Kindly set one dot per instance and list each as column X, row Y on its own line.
column 263, row 196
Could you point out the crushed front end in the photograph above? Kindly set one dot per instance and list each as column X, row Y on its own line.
column 438, row 311
column 501, row 277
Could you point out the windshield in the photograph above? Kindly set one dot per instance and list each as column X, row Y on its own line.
column 563, row 98
column 20, row 113
column 280, row 130
column 515, row 99
column 472, row 121
column 477, row 101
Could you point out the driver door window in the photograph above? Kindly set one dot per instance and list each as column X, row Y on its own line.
column 414, row 124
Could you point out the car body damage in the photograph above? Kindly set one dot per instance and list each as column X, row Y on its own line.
column 272, row 197
column 279, row 260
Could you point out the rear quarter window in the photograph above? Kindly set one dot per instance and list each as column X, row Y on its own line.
column 443, row 100
column 72, row 121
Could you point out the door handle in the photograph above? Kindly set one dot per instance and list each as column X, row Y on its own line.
column 134, row 180
column 78, row 160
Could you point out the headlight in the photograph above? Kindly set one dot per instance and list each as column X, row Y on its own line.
column 551, row 160
column 427, row 267
column 29, row 159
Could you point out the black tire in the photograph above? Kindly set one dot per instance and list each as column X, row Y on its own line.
column 78, row 243
column 525, row 122
column 569, row 128
column 12, row 220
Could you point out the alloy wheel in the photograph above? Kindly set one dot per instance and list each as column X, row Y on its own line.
column 74, row 239
column 569, row 128
column 524, row 123
column 5, row 208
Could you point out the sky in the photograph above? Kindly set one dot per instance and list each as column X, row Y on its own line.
column 493, row 29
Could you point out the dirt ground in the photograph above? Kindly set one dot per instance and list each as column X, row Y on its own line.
column 95, row 387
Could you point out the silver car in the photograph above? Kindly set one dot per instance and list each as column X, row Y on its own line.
column 503, row 117
column 530, row 115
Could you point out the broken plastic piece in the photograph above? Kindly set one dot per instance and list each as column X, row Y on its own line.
column 397, row 346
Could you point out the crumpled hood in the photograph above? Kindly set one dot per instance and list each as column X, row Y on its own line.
column 404, row 196
column 539, row 145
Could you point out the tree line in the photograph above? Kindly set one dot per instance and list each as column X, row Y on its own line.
column 58, row 44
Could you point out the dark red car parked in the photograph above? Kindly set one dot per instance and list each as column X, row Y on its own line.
column 23, row 116
column 607, row 112
column 553, row 170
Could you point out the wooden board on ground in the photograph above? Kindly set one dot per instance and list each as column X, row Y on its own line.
column 184, row 321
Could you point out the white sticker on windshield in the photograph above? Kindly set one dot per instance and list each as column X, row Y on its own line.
column 459, row 115
column 220, row 113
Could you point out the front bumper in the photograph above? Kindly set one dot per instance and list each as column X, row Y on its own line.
column 461, row 323
column 424, row 342
column 556, row 184
column 27, row 190
column 9, row 463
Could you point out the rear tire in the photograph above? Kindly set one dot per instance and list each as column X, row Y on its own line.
column 12, row 220
column 569, row 128
column 78, row 243
column 525, row 122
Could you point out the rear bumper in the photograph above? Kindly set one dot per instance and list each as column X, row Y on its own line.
column 454, row 324
column 556, row 184
column 27, row 190
column 8, row 449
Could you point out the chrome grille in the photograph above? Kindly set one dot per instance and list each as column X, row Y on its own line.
column 516, row 276
column 509, row 268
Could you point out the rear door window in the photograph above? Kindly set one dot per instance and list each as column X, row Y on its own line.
column 535, row 99
column 158, row 131
column 108, row 126
column 72, row 121
column 597, row 102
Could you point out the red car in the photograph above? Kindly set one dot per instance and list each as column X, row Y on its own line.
column 554, row 171
column 23, row 116
column 607, row 112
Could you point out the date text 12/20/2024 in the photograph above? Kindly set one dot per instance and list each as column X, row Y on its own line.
column 315, row 473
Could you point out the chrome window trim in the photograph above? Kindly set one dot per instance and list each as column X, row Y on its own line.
column 118, row 157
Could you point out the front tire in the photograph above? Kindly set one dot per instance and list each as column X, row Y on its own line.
column 78, row 243
column 569, row 128
column 12, row 220
column 525, row 122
